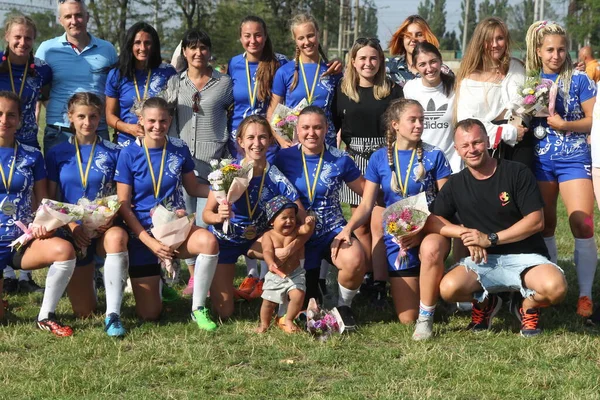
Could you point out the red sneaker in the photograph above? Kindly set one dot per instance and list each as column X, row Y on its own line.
column 52, row 325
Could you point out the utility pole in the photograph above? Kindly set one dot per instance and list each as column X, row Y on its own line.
column 541, row 9
column 325, row 30
column 356, row 18
column 341, row 28
column 466, row 27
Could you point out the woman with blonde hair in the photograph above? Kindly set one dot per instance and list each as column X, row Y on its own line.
column 487, row 89
column 562, row 153
column 361, row 100
column 413, row 30
column 308, row 76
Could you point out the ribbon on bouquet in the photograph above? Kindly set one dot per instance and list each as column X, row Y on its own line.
column 25, row 237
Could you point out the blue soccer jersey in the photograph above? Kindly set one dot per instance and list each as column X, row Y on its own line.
column 275, row 184
column 124, row 89
column 29, row 168
column 379, row 172
column 34, row 82
column 64, row 169
column 133, row 170
column 324, row 90
column 337, row 167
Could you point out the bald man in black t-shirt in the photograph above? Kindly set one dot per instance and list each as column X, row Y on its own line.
column 501, row 209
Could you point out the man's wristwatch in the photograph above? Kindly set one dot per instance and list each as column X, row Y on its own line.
column 493, row 238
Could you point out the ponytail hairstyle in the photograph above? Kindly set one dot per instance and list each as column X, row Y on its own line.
column 268, row 63
column 534, row 40
column 18, row 20
column 394, row 112
column 426, row 47
column 396, row 43
column 84, row 99
column 349, row 84
column 300, row 19
column 156, row 102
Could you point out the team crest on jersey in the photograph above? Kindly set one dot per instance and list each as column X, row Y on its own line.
column 504, row 198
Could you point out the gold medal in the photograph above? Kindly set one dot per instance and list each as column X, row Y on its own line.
column 8, row 208
column 250, row 232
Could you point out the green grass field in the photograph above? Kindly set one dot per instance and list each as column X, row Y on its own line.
column 173, row 359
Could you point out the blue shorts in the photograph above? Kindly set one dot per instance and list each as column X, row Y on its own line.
column 504, row 273
column 9, row 257
column 562, row 171
column 318, row 249
column 139, row 253
column 409, row 263
column 229, row 252
column 90, row 251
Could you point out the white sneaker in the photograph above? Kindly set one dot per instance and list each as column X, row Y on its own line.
column 423, row 328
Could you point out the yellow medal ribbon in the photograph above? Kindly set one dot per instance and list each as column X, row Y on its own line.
column 309, row 94
column 10, row 174
column 252, row 210
column 403, row 187
column 12, row 82
column 135, row 85
column 251, row 92
column 162, row 168
column 84, row 177
column 312, row 188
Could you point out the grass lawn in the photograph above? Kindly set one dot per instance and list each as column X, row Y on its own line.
column 173, row 359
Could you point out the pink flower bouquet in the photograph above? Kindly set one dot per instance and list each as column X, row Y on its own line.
column 285, row 119
column 322, row 324
column 51, row 215
column 538, row 97
column 229, row 181
column 98, row 213
column 405, row 218
column 171, row 228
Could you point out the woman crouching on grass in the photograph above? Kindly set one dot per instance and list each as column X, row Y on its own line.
column 81, row 169
column 407, row 167
column 24, row 179
column 154, row 172
column 254, row 136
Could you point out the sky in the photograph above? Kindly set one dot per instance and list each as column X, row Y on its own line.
column 391, row 13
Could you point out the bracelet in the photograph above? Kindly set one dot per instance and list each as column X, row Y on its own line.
column 117, row 124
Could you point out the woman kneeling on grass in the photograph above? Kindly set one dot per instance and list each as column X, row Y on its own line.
column 254, row 136
column 406, row 168
column 152, row 172
column 81, row 169
column 24, row 179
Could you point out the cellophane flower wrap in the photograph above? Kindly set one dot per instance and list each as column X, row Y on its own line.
column 322, row 324
column 171, row 228
column 538, row 96
column 229, row 181
column 405, row 218
column 98, row 213
column 50, row 214
column 284, row 120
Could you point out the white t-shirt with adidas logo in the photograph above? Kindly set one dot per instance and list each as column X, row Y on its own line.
column 438, row 118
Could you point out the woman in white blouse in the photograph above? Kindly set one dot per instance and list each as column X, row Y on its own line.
column 487, row 88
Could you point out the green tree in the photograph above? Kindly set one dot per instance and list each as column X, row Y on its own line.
column 425, row 9
column 472, row 21
column 582, row 22
column 497, row 8
column 45, row 24
column 449, row 41
column 437, row 19
column 368, row 21
column 109, row 18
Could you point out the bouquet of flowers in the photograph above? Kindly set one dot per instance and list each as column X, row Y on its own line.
column 404, row 218
column 51, row 215
column 98, row 213
column 538, row 97
column 285, row 119
column 322, row 324
column 171, row 228
column 229, row 181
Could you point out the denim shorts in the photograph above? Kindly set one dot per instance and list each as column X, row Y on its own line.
column 504, row 273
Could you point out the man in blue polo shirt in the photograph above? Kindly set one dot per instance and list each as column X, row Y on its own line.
column 80, row 63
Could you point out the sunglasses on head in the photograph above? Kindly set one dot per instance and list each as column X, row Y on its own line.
column 68, row 1
column 364, row 41
column 196, row 102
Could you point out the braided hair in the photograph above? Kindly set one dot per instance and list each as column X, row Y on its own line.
column 28, row 22
column 394, row 112
column 297, row 20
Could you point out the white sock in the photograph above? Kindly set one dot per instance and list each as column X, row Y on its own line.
column 58, row 277
column 251, row 267
column 263, row 269
column 9, row 273
column 204, row 271
column 24, row 275
column 426, row 311
column 115, row 274
column 324, row 269
column 282, row 310
column 586, row 260
column 346, row 296
column 552, row 250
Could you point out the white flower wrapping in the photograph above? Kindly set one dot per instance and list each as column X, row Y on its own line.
column 99, row 213
column 171, row 229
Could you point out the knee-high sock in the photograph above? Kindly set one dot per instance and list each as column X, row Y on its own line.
column 552, row 250
column 324, row 269
column 115, row 274
column 204, row 271
column 586, row 260
column 58, row 277
column 251, row 267
column 346, row 296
